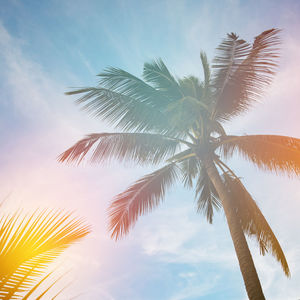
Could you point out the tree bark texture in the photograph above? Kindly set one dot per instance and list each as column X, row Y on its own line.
column 251, row 280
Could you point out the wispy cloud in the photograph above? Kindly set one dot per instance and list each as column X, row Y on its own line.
column 195, row 287
column 29, row 170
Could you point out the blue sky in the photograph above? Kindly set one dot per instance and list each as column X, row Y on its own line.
column 172, row 254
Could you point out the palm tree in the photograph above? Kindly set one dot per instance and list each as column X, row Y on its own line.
column 179, row 122
column 28, row 244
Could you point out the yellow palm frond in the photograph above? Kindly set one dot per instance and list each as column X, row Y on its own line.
column 28, row 243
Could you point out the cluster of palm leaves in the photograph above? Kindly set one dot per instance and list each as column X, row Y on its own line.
column 179, row 122
column 28, row 244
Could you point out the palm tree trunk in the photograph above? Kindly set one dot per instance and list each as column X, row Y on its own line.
column 251, row 280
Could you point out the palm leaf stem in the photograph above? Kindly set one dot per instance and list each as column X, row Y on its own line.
column 224, row 165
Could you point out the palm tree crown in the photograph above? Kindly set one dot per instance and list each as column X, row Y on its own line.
column 179, row 122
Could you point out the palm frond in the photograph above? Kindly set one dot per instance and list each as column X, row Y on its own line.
column 208, row 198
column 61, row 290
column 268, row 152
column 243, row 71
column 191, row 87
column 157, row 74
column 253, row 222
column 124, row 110
column 185, row 113
column 46, row 288
column 215, row 127
column 122, row 82
column 189, row 166
column 230, row 54
column 206, row 71
column 35, row 287
column 187, row 153
column 29, row 243
column 138, row 147
column 140, row 198
column 45, row 291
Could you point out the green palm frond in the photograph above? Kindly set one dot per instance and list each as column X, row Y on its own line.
column 243, row 71
column 140, row 198
column 189, row 166
column 155, row 100
column 29, row 243
column 157, row 74
column 191, row 87
column 206, row 195
column 122, row 82
column 253, row 222
column 123, row 111
column 138, row 147
column 268, row 152
column 185, row 113
column 206, row 70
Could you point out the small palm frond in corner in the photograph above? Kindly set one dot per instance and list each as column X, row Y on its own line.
column 29, row 243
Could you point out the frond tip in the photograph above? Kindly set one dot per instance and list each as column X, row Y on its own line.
column 157, row 74
column 138, row 147
column 138, row 199
column 242, row 71
column 207, row 196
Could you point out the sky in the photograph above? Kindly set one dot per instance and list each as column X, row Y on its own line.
column 46, row 47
